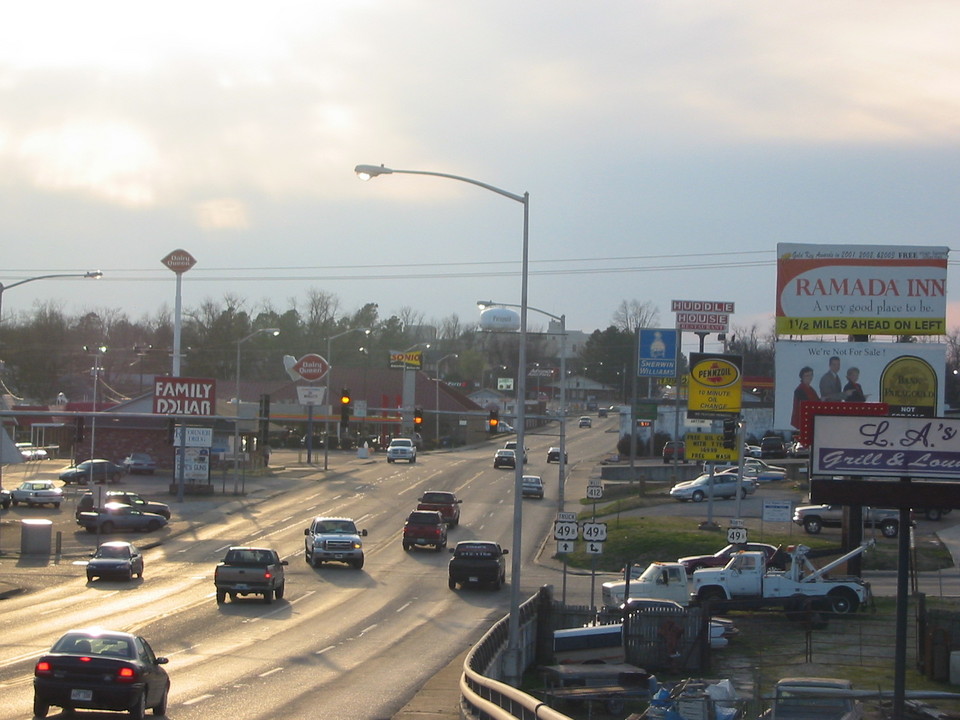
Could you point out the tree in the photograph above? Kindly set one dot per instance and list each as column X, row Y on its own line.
column 634, row 314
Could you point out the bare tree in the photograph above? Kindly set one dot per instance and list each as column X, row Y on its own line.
column 321, row 310
column 633, row 314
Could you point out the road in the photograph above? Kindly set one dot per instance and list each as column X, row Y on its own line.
column 341, row 643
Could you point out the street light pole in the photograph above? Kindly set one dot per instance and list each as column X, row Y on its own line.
column 437, row 414
column 512, row 671
column 236, row 399
column 326, row 428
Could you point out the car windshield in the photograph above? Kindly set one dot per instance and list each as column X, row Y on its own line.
column 113, row 551
column 437, row 497
column 337, row 527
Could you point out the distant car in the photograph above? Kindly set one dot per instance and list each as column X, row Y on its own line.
column 425, row 527
column 585, row 422
column 505, row 458
column 36, row 492
column 504, row 427
column 757, row 469
column 813, row 518
column 139, row 464
column 532, row 486
column 772, row 447
column 28, row 452
column 115, row 559
column 101, row 670
column 5, row 498
column 512, row 445
column 117, row 516
column 98, row 470
column 127, row 497
column 722, row 557
column 444, row 502
column 601, row 412
column 724, row 485
column 553, row 455
column 751, row 451
column 674, row 449
column 798, row 450
column 402, row 449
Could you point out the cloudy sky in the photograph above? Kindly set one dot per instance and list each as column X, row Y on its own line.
column 667, row 148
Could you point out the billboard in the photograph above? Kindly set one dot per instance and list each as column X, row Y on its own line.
column 861, row 289
column 908, row 377
column 657, row 353
column 715, row 385
column 184, row 396
column 409, row 360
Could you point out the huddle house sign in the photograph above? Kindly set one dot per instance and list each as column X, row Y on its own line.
column 184, row 396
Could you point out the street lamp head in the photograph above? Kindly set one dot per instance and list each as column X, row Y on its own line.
column 482, row 304
column 365, row 172
column 95, row 274
column 273, row 331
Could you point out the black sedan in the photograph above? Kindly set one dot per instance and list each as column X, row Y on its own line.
column 117, row 516
column 115, row 559
column 101, row 670
column 98, row 470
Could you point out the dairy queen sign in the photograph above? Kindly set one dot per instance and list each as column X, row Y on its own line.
column 184, row 396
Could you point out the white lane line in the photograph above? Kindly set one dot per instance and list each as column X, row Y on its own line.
column 199, row 698
column 403, row 607
column 270, row 672
column 326, row 649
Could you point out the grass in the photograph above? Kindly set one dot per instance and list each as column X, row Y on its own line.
column 642, row 539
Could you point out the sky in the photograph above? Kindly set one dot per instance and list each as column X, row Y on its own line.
column 667, row 147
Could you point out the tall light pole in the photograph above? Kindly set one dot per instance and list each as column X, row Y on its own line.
column 326, row 429
column 97, row 353
column 512, row 671
column 445, row 357
column 236, row 399
column 409, row 400
column 562, row 319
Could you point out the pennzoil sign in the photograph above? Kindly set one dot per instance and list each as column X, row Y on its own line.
column 715, row 387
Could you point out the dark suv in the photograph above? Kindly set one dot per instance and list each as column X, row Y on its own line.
column 675, row 448
column 773, row 447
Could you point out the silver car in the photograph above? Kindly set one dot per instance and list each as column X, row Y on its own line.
column 721, row 485
column 37, row 492
column 117, row 516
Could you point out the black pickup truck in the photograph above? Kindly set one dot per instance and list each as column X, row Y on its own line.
column 477, row 562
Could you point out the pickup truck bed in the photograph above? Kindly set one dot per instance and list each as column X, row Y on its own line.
column 249, row 571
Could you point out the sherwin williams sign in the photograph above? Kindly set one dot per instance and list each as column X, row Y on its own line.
column 861, row 289
column 886, row 447
column 715, row 388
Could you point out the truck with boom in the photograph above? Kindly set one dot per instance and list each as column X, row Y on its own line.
column 747, row 581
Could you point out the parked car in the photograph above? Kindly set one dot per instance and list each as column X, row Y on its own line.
column 28, row 452
column 115, row 559
column 37, row 492
column 425, row 527
column 98, row 470
column 757, row 469
column 532, row 486
column 773, row 447
column 674, row 449
column 512, row 445
column 127, row 497
column 751, row 451
column 139, row 463
column 117, row 516
column 101, row 670
column 798, row 450
column 813, row 518
column 505, row 458
column 724, row 485
column 553, row 455
column 774, row 556
column 5, row 498
column 585, row 422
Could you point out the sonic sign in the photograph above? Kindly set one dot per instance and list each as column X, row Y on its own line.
column 715, row 387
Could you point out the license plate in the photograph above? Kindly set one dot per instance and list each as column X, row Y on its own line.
column 81, row 694
column 421, row 541
column 474, row 578
column 338, row 556
column 240, row 587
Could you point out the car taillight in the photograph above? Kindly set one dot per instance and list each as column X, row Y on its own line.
column 267, row 575
column 43, row 668
column 127, row 674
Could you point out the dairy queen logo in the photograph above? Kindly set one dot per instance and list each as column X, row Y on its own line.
column 310, row 367
column 715, row 373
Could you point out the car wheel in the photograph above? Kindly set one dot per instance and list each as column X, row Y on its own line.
column 389, row 460
column 743, row 493
column 843, row 601
column 221, row 597
column 812, row 525
column 56, row 505
column 161, row 707
column 40, row 709
column 268, row 596
column 129, row 574
column 279, row 591
column 153, row 526
column 711, row 593
column 889, row 528
column 15, row 502
column 107, row 527
column 697, row 496
column 139, row 709
column 90, row 577
column 6, row 504
column 357, row 564
column 934, row 515
column 406, row 546
column 497, row 584
column 451, row 583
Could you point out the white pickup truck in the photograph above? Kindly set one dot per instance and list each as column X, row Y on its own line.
column 402, row 449
column 661, row 581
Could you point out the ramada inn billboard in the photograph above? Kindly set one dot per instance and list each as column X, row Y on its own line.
column 861, row 290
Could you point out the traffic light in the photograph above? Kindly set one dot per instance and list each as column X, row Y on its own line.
column 345, row 407
column 78, row 436
column 730, row 434
column 417, row 419
column 493, row 421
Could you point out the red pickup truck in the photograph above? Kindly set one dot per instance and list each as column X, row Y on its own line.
column 425, row 527
column 446, row 503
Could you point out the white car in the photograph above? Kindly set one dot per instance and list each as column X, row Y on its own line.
column 723, row 485
column 37, row 492
column 402, row 449
column 29, row 452
column 757, row 469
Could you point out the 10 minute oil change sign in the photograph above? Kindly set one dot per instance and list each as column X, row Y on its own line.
column 715, row 385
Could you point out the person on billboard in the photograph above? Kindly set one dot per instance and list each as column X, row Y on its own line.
column 830, row 386
column 852, row 392
column 804, row 392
